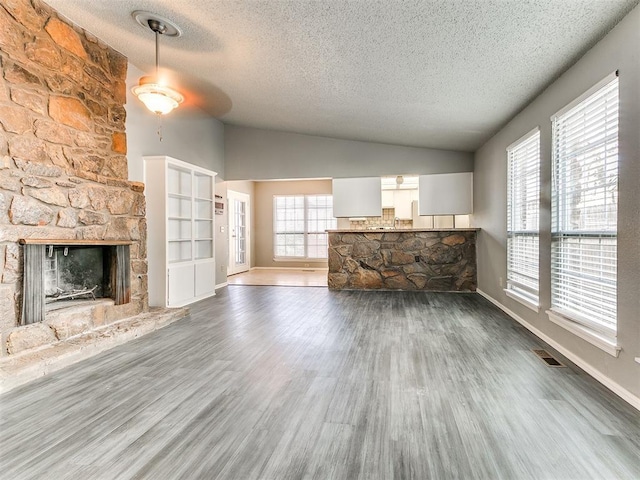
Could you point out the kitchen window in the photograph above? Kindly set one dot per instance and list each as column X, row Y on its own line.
column 584, row 215
column 300, row 222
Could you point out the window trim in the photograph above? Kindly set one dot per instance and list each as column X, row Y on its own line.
column 595, row 338
column 606, row 80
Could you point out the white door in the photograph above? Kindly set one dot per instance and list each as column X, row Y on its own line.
column 239, row 232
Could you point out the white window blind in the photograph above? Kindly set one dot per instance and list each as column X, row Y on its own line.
column 523, row 216
column 584, row 209
column 300, row 222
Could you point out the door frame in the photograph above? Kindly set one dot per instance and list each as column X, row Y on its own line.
column 232, row 267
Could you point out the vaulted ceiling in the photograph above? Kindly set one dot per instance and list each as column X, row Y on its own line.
column 432, row 73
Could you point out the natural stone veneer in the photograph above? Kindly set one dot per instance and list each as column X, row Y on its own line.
column 408, row 260
column 63, row 165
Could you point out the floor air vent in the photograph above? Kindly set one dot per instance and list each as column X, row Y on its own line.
column 547, row 358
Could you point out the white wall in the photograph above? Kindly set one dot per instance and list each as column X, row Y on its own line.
column 618, row 50
column 189, row 135
column 256, row 154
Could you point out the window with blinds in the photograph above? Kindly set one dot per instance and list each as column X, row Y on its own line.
column 584, row 209
column 523, row 217
column 300, row 222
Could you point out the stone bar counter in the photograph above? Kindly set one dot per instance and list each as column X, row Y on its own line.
column 409, row 259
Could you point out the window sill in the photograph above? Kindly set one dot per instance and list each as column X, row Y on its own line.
column 523, row 300
column 594, row 338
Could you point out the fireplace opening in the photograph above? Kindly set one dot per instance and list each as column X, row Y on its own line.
column 73, row 274
column 58, row 275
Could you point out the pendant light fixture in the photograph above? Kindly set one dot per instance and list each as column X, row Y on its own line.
column 157, row 97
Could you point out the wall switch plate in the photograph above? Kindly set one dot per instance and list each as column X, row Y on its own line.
column 222, row 229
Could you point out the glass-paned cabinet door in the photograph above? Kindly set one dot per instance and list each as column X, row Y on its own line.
column 204, row 209
column 179, row 229
column 204, row 249
column 204, row 229
column 178, row 206
column 179, row 251
column 204, row 186
column 179, row 181
column 204, row 238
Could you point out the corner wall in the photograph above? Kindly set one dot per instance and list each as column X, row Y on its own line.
column 617, row 51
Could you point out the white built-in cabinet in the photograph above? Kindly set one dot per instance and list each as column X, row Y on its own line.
column 180, row 231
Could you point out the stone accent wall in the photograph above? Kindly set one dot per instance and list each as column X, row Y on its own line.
column 412, row 260
column 63, row 165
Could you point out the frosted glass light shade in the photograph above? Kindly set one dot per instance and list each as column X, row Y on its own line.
column 160, row 99
column 357, row 197
column 446, row 194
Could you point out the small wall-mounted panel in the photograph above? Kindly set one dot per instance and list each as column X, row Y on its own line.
column 357, row 197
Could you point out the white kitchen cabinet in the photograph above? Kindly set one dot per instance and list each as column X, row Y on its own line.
column 180, row 231
column 357, row 197
column 388, row 199
column 402, row 204
column 446, row 194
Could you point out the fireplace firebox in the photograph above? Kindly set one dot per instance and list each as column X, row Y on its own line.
column 65, row 272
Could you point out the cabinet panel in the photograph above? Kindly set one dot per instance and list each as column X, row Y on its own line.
column 204, row 209
column 357, row 197
column 204, row 187
column 179, row 181
column 179, row 206
column 402, row 204
column 387, row 199
column 181, row 284
column 205, row 278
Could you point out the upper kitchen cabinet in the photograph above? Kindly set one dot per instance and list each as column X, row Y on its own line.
column 357, row 197
column 446, row 194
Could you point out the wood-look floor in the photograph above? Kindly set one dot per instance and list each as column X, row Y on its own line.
column 304, row 383
column 283, row 278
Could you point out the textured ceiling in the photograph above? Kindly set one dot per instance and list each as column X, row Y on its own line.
column 432, row 73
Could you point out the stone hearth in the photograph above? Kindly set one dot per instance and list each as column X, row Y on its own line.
column 32, row 363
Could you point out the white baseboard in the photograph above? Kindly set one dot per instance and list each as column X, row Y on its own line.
column 616, row 388
column 221, row 285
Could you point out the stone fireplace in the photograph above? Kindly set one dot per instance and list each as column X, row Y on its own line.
column 64, row 184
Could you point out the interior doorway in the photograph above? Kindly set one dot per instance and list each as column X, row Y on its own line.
column 239, row 232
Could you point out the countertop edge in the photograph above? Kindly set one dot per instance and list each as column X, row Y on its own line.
column 403, row 230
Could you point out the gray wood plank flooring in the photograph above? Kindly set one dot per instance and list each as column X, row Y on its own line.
column 304, row 383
